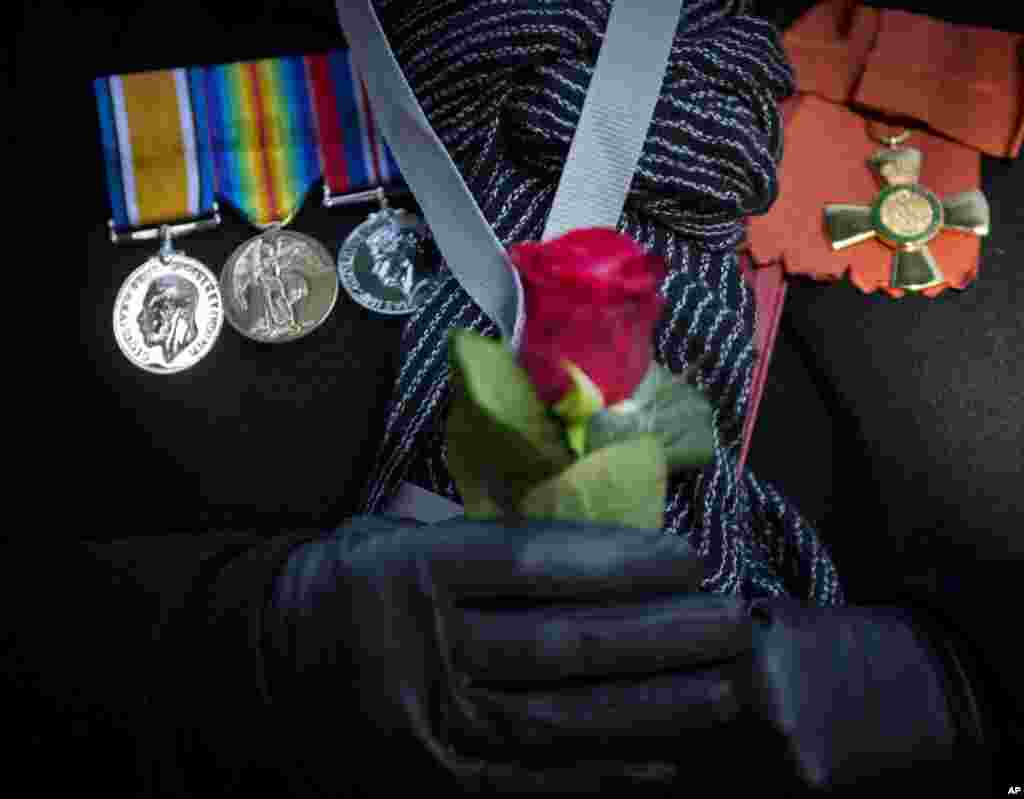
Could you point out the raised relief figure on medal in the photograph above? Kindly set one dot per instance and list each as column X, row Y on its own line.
column 392, row 252
column 168, row 316
column 279, row 286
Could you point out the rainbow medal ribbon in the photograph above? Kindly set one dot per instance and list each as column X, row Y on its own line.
column 169, row 312
column 279, row 285
column 381, row 263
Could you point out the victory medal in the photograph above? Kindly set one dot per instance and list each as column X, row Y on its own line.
column 279, row 286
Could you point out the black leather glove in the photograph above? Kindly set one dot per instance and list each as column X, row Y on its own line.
column 569, row 657
column 487, row 650
column 801, row 700
column 864, row 697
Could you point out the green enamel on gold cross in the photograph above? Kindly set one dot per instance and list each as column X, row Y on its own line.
column 906, row 216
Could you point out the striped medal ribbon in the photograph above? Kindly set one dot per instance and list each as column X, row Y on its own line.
column 280, row 285
column 168, row 313
column 381, row 264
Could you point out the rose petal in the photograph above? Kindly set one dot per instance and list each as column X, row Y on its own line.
column 591, row 297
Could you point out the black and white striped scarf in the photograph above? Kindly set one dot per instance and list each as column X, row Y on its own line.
column 502, row 83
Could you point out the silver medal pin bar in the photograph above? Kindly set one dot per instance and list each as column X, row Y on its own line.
column 169, row 312
column 164, row 231
column 360, row 197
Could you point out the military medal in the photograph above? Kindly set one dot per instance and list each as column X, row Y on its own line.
column 381, row 263
column 906, row 216
column 280, row 285
column 168, row 312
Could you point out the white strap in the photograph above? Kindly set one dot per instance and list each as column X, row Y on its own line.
column 616, row 116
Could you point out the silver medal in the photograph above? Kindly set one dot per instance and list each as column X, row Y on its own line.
column 278, row 286
column 378, row 262
column 168, row 313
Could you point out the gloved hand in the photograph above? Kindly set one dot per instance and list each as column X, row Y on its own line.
column 803, row 699
column 862, row 697
column 488, row 650
column 560, row 657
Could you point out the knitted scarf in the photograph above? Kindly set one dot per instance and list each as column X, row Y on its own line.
column 502, row 83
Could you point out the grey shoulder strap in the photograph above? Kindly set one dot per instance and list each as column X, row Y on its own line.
column 616, row 115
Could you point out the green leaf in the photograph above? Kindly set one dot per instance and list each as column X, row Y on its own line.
column 668, row 406
column 501, row 438
column 622, row 484
column 583, row 399
column 471, row 482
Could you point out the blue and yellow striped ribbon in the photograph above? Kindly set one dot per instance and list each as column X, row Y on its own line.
column 156, row 145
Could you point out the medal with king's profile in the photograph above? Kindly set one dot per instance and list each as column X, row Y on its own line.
column 168, row 313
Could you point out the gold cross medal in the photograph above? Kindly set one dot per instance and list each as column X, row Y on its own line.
column 906, row 216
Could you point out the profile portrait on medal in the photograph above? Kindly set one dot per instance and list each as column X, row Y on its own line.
column 392, row 251
column 168, row 315
column 268, row 278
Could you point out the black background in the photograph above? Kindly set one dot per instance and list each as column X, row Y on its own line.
column 896, row 425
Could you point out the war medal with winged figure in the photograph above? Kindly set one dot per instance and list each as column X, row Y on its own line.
column 279, row 286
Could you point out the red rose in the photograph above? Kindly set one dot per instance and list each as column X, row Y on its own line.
column 591, row 298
